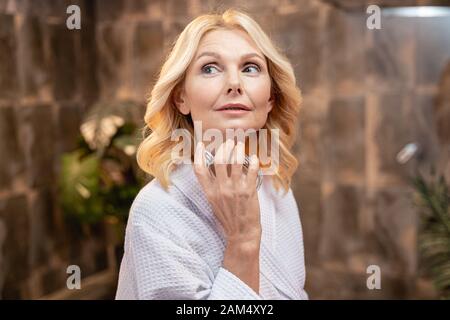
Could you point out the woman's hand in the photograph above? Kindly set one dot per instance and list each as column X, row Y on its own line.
column 234, row 199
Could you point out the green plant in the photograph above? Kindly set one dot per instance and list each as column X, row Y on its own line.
column 434, row 234
column 99, row 180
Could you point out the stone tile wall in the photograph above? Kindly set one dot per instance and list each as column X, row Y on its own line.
column 366, row 94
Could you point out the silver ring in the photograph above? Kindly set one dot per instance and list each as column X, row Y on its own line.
column 209, row 161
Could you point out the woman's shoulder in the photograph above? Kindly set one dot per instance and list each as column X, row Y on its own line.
column 154, row 205
column 168, row 213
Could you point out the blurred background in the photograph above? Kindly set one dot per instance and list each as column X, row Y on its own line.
column 373, row 145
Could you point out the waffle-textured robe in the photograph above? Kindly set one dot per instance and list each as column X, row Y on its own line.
column 174, row 246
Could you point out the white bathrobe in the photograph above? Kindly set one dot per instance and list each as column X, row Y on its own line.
column 174, row 246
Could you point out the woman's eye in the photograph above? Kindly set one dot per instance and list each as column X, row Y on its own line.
column 207, row 67
column 254, row 66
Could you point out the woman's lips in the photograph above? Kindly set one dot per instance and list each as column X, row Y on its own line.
column 234, row 111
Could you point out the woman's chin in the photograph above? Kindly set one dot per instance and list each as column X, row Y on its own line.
column 234, row 126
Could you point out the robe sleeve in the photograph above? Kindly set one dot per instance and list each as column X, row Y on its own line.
column 159, row 266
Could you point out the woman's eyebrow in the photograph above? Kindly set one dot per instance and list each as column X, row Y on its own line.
column 216, row 55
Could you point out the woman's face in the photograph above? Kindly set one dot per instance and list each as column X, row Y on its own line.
column 228, row 68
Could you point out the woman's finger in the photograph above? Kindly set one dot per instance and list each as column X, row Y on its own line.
column 253, row 170
column 200, row 168
column 237, row 161
column 222, row 159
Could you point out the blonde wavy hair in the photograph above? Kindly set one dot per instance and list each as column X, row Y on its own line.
column 154, row 154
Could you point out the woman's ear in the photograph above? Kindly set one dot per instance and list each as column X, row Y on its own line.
column 179, row 101
column 270, row 103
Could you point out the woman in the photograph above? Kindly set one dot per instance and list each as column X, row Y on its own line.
column 200, row 232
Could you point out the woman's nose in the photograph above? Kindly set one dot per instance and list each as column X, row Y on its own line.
column 234, row 84
column 234, row 87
